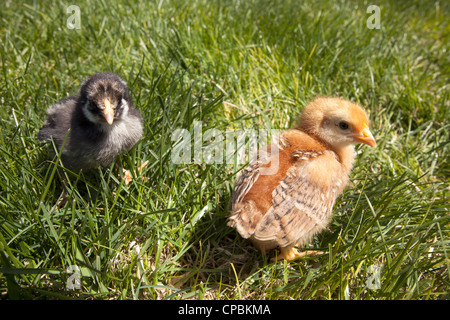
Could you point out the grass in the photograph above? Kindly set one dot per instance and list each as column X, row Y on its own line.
column 231, row 65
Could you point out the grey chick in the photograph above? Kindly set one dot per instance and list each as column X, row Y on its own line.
column 94, row 125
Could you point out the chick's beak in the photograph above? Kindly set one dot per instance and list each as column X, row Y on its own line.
column 108, row 112
column 365, row 136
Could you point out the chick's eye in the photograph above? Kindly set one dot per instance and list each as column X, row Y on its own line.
column 343, row 125
column 92, row 106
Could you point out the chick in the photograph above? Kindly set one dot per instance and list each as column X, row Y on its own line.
column 287, row 208
column 95, row 125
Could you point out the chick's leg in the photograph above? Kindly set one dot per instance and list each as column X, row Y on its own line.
column 291, row 253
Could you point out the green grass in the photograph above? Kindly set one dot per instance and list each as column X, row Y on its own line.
column 231, row 65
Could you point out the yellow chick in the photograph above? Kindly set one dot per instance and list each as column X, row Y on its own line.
column 287, row 208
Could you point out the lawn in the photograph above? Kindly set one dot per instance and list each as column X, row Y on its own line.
column 229, row 66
